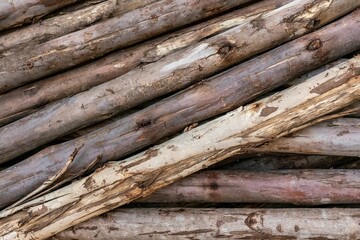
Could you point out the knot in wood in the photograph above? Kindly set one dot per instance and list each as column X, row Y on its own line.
column 314, row 45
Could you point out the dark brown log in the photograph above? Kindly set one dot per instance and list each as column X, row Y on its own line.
column 282, row 162
column 339, row 137
column 15, row 13
column 233, row 223
column 18, row 103
column 214, row 96
column 101, row 38
column 300, row 187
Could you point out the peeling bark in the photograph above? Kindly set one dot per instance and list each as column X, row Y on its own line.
column 207, row 99
column 168, row 74
column 101, row 38
column 299, row 187
column 18, row 103
column 16, row 13
column 118, row 183
column 234, row 223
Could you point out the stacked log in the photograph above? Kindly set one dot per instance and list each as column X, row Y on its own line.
column 108, row 103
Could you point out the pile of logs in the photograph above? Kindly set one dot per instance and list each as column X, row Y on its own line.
column 108, row 106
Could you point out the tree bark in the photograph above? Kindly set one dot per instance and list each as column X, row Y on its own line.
column 299, row 187
column 16, row 13
column 54, row 27
column 339, row 137
column 118, row 183
column 18, row 103
column 168, row 74
column 131, row 133
column 101, row 38
column 233, row 223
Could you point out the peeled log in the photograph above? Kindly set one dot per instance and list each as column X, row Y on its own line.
column 233, row 223
column 15, row 13
column 118, row 183
column 101, row 38
column 234, row 88
column 299, row 187
column 24, row 100
column 339, row 137
column 174, row 72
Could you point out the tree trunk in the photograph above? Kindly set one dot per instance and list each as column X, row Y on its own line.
column 118, row 183
column 299, row 187
column 169, row 116
column 233, row 223
column 168, row 74
column 17, row 103
column 339, row 137
column 101, row 38
column 16, row 13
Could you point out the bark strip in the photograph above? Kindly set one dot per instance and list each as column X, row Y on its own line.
column 207, row 99
column 118, row 183
column 170, row 73
column 233, row 223
column 299, row 187
column 101, row 38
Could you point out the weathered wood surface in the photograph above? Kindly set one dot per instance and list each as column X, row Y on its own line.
column 339, row 137
column 97, row 40
column 299, row 187
column 118, row 183
column 54, row 27
column 24, row 100
column 233, row 223
column 15, row 13
column 167, row 117
column 207, row 57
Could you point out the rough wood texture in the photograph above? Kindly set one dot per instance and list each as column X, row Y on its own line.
column 55, row 27
column 233, row 88
column 22, row 101
column 340, row 137
column 15, row 13
column 181, row 69
column 101, row 38
column 118, row 183
column 300, row 187
column 234, row 223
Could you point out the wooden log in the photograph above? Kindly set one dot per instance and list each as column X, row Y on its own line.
column 101, row 38
column 224, row 223
column 16, row 13
column 299, row 187
column 54, row 27
column 19, row 102
column 147, row 82
column 282, row 162
column 339, row 137
column 118, row 183
column 167, row 117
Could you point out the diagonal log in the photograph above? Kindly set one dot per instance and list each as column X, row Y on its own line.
column 233, row 223
column 106, row 36
column 299, row 187
column 118, row 183
column 16, row 13
column 171, row 73
column 214, row 96
column 19, row 102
